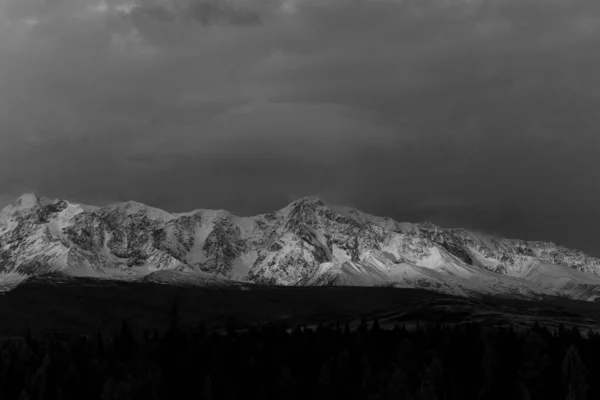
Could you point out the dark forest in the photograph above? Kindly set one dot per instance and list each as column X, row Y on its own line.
column 325, row 362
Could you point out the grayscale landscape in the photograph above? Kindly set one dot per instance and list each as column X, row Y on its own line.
column 299, row 199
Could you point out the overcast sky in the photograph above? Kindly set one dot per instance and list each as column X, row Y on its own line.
column 476, row 113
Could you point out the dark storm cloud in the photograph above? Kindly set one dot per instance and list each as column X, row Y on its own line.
column 474, row 113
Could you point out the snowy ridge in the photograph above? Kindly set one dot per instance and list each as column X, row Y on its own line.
column 305, row 243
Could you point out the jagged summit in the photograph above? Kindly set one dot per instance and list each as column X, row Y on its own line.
column 307, row 202
column 307, row 242
column 28, row 200
column 31, row 200
column 314, row 200
column 134, row 207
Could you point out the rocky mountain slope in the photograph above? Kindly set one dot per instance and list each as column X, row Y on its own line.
column 306, row 243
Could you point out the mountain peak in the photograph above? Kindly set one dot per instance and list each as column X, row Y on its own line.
column 134, row 207
column 303, row 205
column 312, row 200
column 27, row 200
column 31, row 200
column 129, row 206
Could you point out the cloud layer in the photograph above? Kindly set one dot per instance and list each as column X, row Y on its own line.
column 469, row 113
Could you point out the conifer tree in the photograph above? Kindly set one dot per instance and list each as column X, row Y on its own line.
column 208, row 388
column 362, row 327
column 99, row 341
column 524, row 391
column 324, row 386
column 24, row 395
column 286, row 384
column 431, row 380
column 574, row 375
column 174, row 314
column 375, row 328
column 489, row 364
column 534, row 362
column 108, row 390
column 397, row 388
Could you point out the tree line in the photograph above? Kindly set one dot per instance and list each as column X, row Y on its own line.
column 431, row 362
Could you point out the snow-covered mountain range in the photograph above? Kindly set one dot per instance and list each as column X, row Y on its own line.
column 306, row 243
